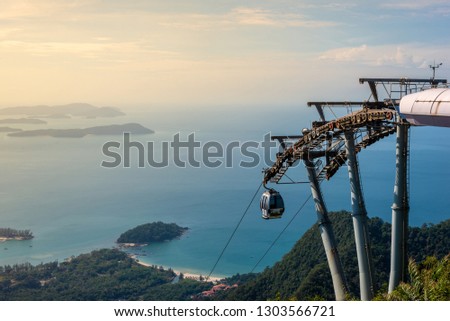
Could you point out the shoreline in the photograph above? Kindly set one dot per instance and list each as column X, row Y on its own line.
column 187, row 275
column 16, row 238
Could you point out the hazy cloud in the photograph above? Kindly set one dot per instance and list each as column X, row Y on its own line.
column 12, row 9
column 427, row 8
column 415, row 5
column 232, row 51
column 263, row 17
column 241, row 16
column 7, row 32
column 103, row 50
column 405, row 55
column 345, row 54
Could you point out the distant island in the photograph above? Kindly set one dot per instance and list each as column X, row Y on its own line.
column 63, row 111
column 31, row 121
column 132, row 128
column 7, row 234
column 151, row 232
column 9, row 130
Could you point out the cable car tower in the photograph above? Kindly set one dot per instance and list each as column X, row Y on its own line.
column 329, row 145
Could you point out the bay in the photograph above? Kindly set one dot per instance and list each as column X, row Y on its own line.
column 57, row 188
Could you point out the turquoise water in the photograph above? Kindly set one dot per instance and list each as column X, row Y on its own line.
column 57, row 188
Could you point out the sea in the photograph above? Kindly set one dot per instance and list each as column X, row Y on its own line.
column 58, row 188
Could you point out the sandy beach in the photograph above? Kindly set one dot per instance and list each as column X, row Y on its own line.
column 4, row 239
column 16, row 238
column 187, row 275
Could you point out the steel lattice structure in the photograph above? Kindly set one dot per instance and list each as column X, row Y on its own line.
column 330, row 144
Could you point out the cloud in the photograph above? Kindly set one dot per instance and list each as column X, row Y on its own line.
column 13, row 9
column 403, row 55
column 237, row 17
column 344, row 54
column 263, row 17
column 5, row 33
column 251, row 16
column 414, row 5
column 101, row 50
column 428, row 8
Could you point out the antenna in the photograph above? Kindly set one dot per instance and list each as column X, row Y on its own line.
column 434, row 67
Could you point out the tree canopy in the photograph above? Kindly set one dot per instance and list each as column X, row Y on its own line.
column 303, row 273
column 152, row 232
column 13, row 233
column 429, row 281
column 106, row 274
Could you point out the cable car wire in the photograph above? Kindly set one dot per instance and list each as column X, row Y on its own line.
column 279, row 235
column 234, row 232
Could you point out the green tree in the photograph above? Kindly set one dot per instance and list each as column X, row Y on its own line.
column 303, row 273
column 152, row 232
column 429, row 281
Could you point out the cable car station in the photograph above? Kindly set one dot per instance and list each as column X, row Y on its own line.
column 332, row 143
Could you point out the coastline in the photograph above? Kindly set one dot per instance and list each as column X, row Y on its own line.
column 16, row 238
column 187, row 275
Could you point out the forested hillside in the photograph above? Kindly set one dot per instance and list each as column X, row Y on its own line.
column 100, row 275
column 303, row 273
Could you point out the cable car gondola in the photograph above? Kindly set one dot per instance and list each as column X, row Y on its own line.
column 271, row 204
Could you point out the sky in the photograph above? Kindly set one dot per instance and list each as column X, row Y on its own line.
column 221, row 52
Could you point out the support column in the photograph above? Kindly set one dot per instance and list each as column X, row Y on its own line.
column 359, row 216
column 400, row 211
column 326, row 232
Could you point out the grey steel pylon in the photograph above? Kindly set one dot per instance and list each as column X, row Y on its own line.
column 359, row 217
column 326, row 232
column 400, row 210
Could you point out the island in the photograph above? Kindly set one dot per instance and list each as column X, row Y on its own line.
column 32, row 121
column 63, row 111
column 7, row 234
column 132, row 128
column 9, row 130
column 151, row 232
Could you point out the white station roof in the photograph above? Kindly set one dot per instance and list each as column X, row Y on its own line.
column 430, row 107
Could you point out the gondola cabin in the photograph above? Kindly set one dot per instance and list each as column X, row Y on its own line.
column 271, row 204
